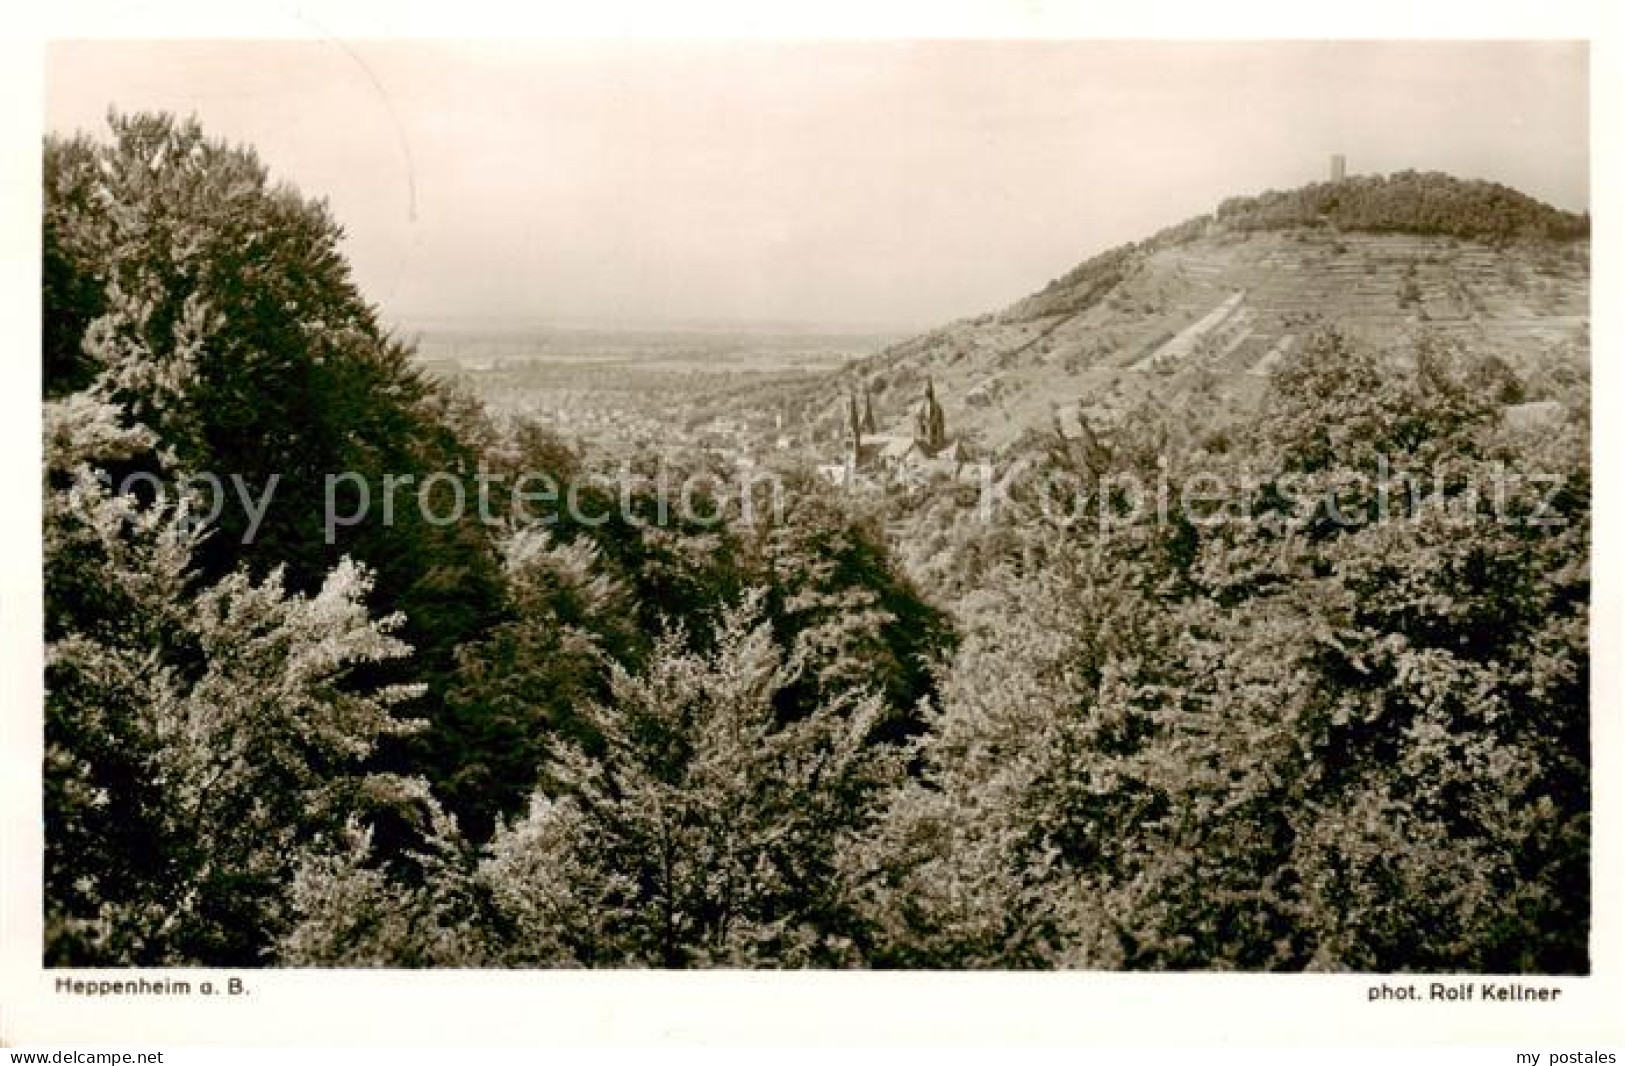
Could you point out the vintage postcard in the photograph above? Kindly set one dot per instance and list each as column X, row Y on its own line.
column 977, row 535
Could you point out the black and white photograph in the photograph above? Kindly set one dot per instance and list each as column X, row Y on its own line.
column 1058, row 505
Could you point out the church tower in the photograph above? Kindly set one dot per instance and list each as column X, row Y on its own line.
column 854, row 431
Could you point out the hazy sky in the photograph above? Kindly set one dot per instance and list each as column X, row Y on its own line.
column 897, row 184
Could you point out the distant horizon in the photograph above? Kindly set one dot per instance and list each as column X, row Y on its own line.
column 885, row 186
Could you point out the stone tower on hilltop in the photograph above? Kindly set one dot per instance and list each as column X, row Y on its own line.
column 1339, row 167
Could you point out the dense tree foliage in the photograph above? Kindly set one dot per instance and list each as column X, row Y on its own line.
column 1429, row 204
column 1316, row 734
column 214, row 307
column 706, row 828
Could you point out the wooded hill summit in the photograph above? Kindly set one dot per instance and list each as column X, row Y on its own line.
column 1211, row 305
